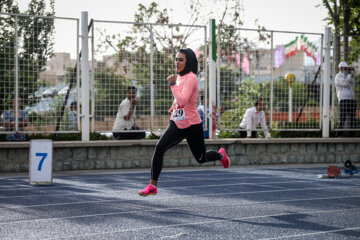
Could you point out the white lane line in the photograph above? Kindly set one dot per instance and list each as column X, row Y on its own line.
column 166, row 180
column 174, row 208
column 61, row 181
column 233, row 184
column 315, row 233
column 125, row 200
column 176, row 196
column 174, row 236
column 101, row 186
column 94, row 186
column 205, row 222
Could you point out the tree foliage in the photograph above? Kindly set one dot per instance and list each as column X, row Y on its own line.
column 34, row 36
column 110, row 91
column 135, row 45
column 166, row 39
column 344, row 15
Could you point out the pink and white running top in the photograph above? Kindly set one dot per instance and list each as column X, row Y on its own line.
column 184, row 107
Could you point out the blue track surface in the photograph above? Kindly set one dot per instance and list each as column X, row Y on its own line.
column 268, row 202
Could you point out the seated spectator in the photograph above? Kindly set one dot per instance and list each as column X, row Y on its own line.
column 202, row 116
column 10, row 121
column 125, row 118
column 252, row 118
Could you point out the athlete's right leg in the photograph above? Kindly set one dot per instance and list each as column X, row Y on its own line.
column 172, row 136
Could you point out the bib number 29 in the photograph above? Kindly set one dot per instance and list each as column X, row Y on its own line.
column 179, row 114
column 43, row 156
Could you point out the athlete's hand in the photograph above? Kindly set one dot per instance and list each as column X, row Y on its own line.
column 171, row 78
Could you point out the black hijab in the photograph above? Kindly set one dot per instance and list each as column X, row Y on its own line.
column 191, row 62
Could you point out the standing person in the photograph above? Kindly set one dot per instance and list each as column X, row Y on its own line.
column 125, row 117
column 344, row 81
column 202, row 116
column 73, row 116
column 252, row 118
column 185, row 121
column 10, row 119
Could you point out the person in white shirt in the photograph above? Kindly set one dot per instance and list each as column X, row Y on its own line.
column 344, row 81
column 73, row 117
column 252, row 118
column 125, row 119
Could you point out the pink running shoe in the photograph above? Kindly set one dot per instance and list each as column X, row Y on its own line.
column 225, row 161
column 149, row 190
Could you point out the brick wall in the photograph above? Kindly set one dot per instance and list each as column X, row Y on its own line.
column 14, row 157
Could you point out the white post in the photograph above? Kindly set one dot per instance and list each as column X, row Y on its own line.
column 212, row 80
column 206, row 104
column 218, row 101
column 326, row 99
column 290, row 103
column 271, row 81
column 16, row 75
column 85, row 135
column 152, row 87
column 78, row 100
column 92, row 78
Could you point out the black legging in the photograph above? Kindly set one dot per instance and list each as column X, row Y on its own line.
column 347, row 111
column 172, row 136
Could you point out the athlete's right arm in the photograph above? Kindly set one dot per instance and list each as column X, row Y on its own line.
column 182, row 97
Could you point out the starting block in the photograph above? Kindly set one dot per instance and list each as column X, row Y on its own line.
column 333, row 171
column 350, row 171
column 350, row 168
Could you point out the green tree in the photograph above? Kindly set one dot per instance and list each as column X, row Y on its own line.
column 344, row 16
column 136, row 46
column 110, row 90
column 244, row 94
column 35, row 46
column 167, row 39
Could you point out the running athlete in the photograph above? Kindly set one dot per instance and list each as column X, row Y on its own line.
column 185, row 121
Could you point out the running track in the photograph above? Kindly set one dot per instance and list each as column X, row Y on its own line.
column 254, row 202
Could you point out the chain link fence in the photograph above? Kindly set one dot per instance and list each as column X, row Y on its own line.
column 142, row 55
column 34, row 81
column 345, row 97
column 42, row 87
column 252, row 64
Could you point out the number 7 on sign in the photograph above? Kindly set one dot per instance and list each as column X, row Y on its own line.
column 43, row 155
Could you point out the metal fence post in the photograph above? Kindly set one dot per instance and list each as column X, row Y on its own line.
column 326, row 99
column 16, row 75
column 333, row 74
column 212, row 79
column 152, row 89
column 272, row 81
column 92, row 78
column 85, row 135
column 218, row 89
column 206, row 102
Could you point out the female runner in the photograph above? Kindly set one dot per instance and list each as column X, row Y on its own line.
column 185, row 121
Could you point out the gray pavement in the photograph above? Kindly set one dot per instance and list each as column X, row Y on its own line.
column 253, row 202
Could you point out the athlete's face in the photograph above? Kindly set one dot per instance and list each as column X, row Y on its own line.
column 180, row 62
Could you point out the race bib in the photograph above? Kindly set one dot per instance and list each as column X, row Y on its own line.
column 178, row 113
